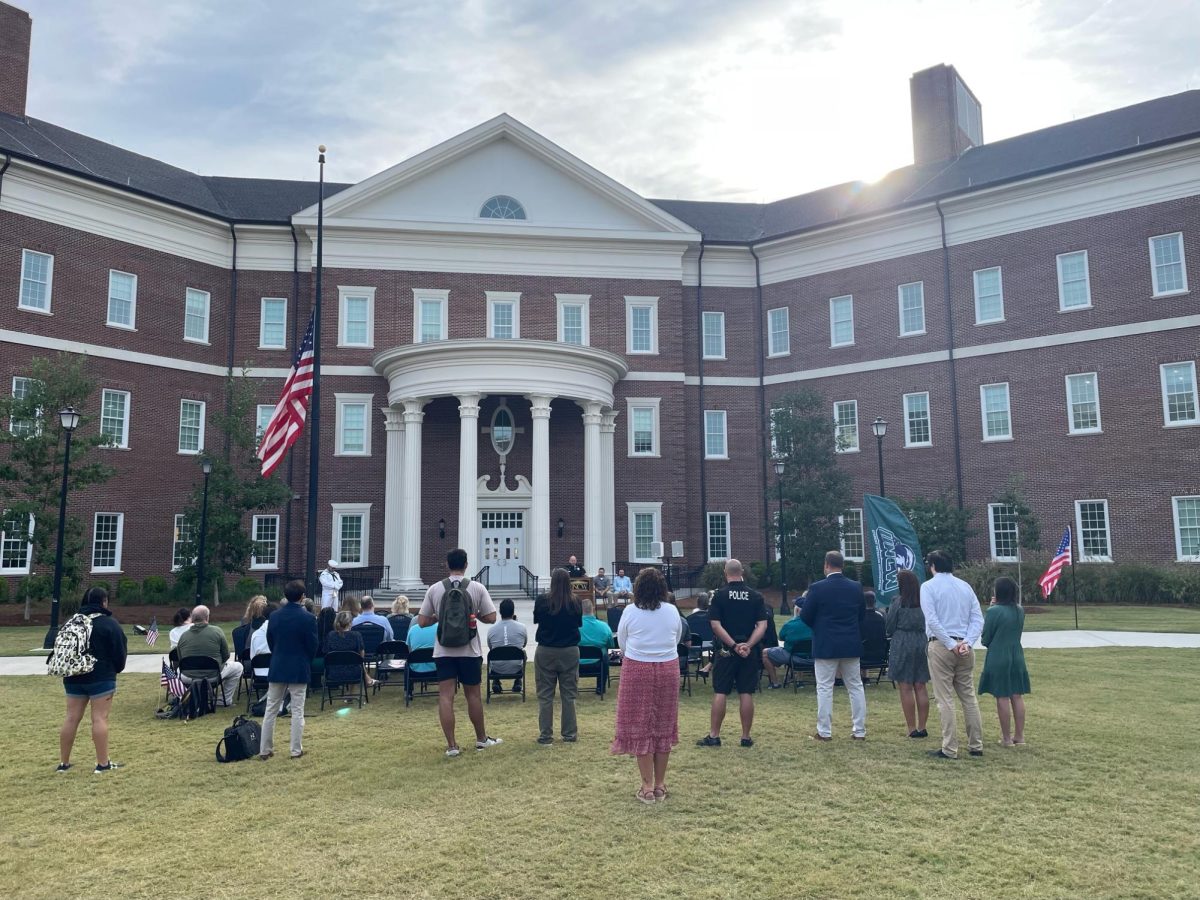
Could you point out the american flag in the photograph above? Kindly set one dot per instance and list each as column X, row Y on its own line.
column 288, row 419
column 1061, row 558
column 152, row 631
column 171, row 681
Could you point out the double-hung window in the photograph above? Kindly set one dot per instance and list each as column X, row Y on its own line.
column 718, row 536
column 853, row 542
column 272, row 323
column 643, row 426
column 1002, row 532
column 1091, row 520
column 778, row 332
column 351, row 533
column 573, row 326
column 114, row 417
column 1168, row 268
column 1083, row 403
column 356, row 316
column 997, row 417
column 431, row 315
column 264, row 531
column 16, row 543
column 191, row 426
column 841, row 321
column 645, row 528
column 37, row 281
column 1179, row 400
column 353, row 424
column 912, row 308
column 1187, row 528
column 182, row 540
column 641, row 320
column 917, row 431
column 196, row 305
column 989, row 296
column 845, row 426
column 1074, row 283
column 107, row 531
column 122, row 299
column 713, row 324
column 22, row 388
column 715, row 444
column 504, row 314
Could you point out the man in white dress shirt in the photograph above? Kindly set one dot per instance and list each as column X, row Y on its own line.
column 331, row 585
column 953, row 623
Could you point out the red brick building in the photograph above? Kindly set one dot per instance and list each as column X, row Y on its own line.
column 525, row 358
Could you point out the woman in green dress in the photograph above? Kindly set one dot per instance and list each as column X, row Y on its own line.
column 1004, row 672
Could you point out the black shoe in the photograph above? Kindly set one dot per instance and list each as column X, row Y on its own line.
column 918, row 733
column 110, row 766
column 938, row 754
column 516, row 688
column 922, row 733
column 709, row 741
column 497, row 689
column 975, row 752
column 747, row 742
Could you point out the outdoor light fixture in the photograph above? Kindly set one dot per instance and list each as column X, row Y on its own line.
column 69, row 419
column 561, row 526
column 879, row 426
column 441, row 528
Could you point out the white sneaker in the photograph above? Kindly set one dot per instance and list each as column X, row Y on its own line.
column 453, row 752
column 488, row 741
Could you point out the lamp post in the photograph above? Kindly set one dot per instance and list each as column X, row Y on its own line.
column 783, row 603
column 879, row 426
column 207, row 468
column 69, row 419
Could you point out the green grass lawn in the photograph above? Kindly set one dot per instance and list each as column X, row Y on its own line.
column 1115, row 618
column 1101, row 804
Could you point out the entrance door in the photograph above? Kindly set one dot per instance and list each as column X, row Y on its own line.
column 502, row 542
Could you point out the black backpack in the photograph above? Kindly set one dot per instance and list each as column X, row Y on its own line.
column 241, row 740
column 200, row 700
column 455, row 627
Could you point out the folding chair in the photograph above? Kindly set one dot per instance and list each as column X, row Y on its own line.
column 390, row 661
column 344, row 669
column 685, row 671
column 593, row 663
column 372, row 636
column 798, row 665
column 696, row 656
column 500, row 654
column 413, row 678
column 875, row 657
column 259, row 684
column 206, row 667
column 243, row 656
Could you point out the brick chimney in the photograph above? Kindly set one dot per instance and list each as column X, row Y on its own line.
column 947, row 119
column 15, row 29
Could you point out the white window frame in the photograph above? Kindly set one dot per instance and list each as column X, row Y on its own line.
column 862, row 537
column 262, row 321
column 124, row 442
column 837, row 426
column 260, row 423
column 203, row 416
column 341, row 401
column 650, row 303
column 1087, row 281
column 724, row 454
column 1154, row 266
column 1079, row 555
column 908, row 441
column 255, row 565
column 654, row 509
column 1071, row 428
column 116, row 567
column 833, row 303
column 653, row 404
column 1007, row 409
column 176, row 540
column 979, row 320
column 992, row 509
column 46, row 310
column 708, row 536
column 440, row 296
column 345, row 293
column 495, row 298
column 351, row 509
column 582, row 300
column 706, row 332
column 1162, row 382
column 23, row 569
column 920, row 285
column 1179, row 557
column 772, row 349
column 187, row 294
column 132, row 324
column 35, row 424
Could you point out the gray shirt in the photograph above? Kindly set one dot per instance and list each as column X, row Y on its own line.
column 507, row 633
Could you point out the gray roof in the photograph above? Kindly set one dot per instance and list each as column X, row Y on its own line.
column 1127, row 130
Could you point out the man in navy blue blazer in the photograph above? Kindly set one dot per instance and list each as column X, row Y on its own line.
column 834, row 610
column 292, row 637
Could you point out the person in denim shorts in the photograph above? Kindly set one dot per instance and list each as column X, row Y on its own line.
column 96, row 687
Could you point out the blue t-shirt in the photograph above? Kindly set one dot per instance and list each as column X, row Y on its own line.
column 419, row 637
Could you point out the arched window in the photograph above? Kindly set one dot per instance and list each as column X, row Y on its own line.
column 502, row 207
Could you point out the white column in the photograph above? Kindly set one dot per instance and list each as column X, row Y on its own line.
column 393, row 491
column 410, row 556
column 608, row 428
column 593, row 510
column 538, row 542
column 468, row 472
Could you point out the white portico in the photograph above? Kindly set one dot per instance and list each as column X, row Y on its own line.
column 470, row 370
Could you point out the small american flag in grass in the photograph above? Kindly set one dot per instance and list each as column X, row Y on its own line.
column 152, row 632
column 171, row 681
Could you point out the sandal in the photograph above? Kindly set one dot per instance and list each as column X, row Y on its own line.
column 646, row 796
column 661, row 793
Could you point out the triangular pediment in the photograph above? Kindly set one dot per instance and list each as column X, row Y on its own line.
column 446, row 187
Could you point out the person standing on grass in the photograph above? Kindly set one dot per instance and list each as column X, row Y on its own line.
column 648, row 693
column 459, row 665
column 953, row 623
column 97, row 687
column 738, row 616
column 835, row 610
column 908, row 665
column 292, row 640
column 558, row 616
column 1004, row 674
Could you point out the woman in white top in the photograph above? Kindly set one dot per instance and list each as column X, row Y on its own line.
column 648, row 693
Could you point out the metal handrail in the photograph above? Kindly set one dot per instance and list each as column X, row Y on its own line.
column 482, row 576
column 529, row 583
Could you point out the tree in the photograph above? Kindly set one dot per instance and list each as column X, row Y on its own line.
column 31, row 463
column 1029, row 527
column 939, row 524
column 236, row 489
column 816, row 491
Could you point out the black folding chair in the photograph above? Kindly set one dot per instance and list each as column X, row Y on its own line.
column 391, row 659
column 197, row 667
column 593, row 663
column 372, row 637
column 685, row 670
column 502, row 654
column 413, row 678
column 344, row 670
column 798, row 665
column 259, row 684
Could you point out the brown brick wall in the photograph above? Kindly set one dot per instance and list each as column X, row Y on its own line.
column 15, row 31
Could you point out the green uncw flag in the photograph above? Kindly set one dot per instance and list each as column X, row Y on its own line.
column 892, row 544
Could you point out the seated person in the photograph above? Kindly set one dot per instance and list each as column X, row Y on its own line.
column 368, row 614
column 252, row 620
column 797, row 641
column 869, row 601
column 203, row 639
column 508, row 632
column 594, row 633
column 420, row 637
column 342, row 639
column 698, row 622
column 258, row 642
column 874, row 635
column 182, row 621
column 400, row 620
column 601, row 584
column 622, row 588
column 613, row 614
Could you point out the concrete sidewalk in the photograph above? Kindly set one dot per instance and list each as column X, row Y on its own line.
column 1037, row 640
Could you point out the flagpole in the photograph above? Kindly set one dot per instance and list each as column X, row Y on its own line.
column 314, row 406
column 1074, row 596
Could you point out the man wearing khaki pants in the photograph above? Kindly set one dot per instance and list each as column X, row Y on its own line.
column 953, row 623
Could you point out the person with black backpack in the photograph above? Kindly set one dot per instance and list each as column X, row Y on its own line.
column 89, row 651
column 457, row 604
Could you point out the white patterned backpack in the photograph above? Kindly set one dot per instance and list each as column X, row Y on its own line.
column 70, row 655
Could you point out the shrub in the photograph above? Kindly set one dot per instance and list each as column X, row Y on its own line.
column 3, row 590
column 246, row 588
column 35, row 587
column 713, row 576
column 760, row 575
column 154, row 589
column 1128, row 583
column 274, row 593
column 68, row 606
column 129, row 591
column 100, row 584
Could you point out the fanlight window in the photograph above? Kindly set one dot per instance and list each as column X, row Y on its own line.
column 502, row 207
column 502, row 431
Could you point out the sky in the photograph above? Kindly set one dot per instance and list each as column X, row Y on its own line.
column 750, row 100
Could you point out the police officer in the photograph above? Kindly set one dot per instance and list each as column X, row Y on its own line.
column 574, row 569
column 738, row 615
